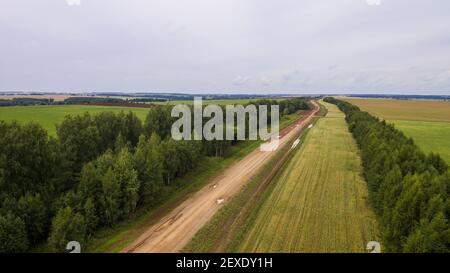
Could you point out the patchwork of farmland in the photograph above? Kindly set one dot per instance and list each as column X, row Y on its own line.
column 319, row 201
column 427, row 122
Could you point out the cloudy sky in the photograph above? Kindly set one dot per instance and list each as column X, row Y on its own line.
column 226, row 46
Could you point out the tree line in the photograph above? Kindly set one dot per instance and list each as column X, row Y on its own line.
column 96, row 172
column 407, row 188
column 25, row 102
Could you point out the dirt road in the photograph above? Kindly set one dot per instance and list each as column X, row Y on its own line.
column 177, row 228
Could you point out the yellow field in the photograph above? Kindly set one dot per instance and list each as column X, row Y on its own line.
column 319, row 201
column 423, row 110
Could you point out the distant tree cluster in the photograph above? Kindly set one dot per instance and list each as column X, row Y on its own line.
column 25, row 102
column 144, row 100
column 291, row 106
column 97, row 171
column 408, row 189
column 90, row 100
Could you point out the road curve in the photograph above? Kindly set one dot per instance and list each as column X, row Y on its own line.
column 172, row 232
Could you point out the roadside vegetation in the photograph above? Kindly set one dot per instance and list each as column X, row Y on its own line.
column 97, row 171
column 408, row 189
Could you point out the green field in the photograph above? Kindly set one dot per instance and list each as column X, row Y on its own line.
column 430, row 136
column 427, row 122
column 49, row 116
column 318, row 203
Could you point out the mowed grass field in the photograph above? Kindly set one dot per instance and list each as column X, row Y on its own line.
column 49, row 116
column 427, row 122
column 319, row 201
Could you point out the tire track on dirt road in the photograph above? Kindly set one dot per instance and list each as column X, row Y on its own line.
column 176, row 229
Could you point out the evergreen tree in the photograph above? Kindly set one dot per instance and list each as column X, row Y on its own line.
column 34, row 214
column 90, row 216
column 80, row 139
column 158, row 121
column 90, row 185
column 110, row 198
column 170, row 159
column 148, row 163
column 132, row 128
column 13, row 235
column 127, row 178
column 120, row 144
column 67, row 226
column 431, row 237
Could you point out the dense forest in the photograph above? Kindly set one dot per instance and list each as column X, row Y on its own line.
column 408, row 189
column 96, row 172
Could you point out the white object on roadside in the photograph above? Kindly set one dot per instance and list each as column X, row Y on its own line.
column 296, row 142
column 220, row 201
column 310, row 126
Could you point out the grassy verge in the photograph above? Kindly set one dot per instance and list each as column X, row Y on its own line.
column 323, row 110
column 224, row 228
